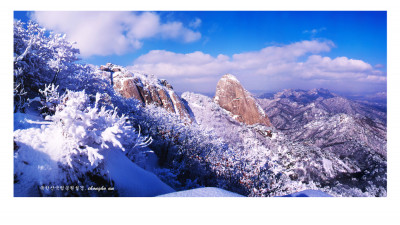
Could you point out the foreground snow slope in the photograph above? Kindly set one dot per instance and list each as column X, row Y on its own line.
column 131, row 180
column 59, row 154
column 203, row 192
column 309, row 193
column 218, row 192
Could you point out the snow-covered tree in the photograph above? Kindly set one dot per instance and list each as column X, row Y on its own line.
column 77, row 137
column 40, row 57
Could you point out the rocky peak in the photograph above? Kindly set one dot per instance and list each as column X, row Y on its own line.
column 145, row 88
column 231, row 96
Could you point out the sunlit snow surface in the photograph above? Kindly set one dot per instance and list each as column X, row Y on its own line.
column 309, row 193
column 203, row 192
column 218, row 192
column 131, row 180
column 44, row 153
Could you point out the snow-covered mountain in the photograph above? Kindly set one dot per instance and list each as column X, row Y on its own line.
column 81, row 128
column 293, row 108
column 353, row 131
column 320, row 139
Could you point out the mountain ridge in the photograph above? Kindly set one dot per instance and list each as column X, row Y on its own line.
column 145, row 88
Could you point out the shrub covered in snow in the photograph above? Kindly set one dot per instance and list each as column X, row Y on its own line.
column 180, row 148
column 40, row 58
column 75, row 140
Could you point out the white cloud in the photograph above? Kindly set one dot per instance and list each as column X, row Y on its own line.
column 275, row 54
column 313, row 32
column 339, row 64
column 170, row 64
column 373, row 78
column 265, row 61
column 378, row 66
column 177, row 30
column 141, row 26
column 196, row 23
column 106, row 33
column 297, row 63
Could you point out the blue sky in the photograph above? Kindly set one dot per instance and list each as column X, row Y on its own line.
column 343, row 51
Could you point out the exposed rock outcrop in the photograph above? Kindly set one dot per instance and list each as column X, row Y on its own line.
column 231, row 96
column 145, row 88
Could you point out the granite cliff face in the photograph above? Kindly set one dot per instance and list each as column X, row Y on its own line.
column 145, row 88
column 231, row 96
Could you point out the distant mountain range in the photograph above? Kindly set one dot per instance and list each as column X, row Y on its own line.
column 352, row 130
column 333, row 141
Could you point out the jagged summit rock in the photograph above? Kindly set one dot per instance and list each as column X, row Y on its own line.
column 146, row 88
column 231, row 96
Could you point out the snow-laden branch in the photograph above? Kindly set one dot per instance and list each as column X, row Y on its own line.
column 28, row 48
